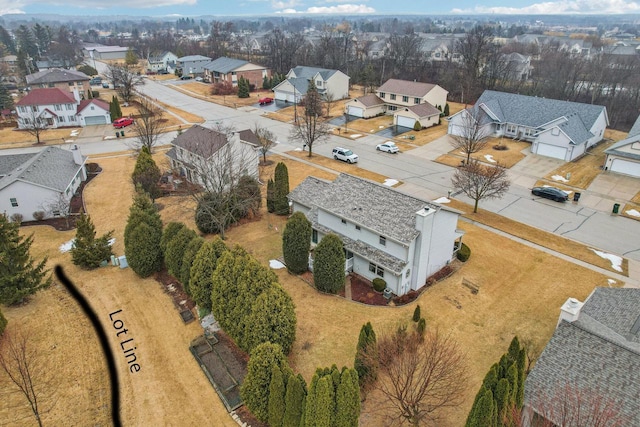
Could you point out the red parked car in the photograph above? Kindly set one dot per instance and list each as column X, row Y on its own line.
column 266, row 100
column 122, row 122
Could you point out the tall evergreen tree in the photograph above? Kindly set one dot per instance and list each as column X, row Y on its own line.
column 348, row 399
column 294, row 402
column 281, row 189
column 270, row 196
column 485, row 413
column 276, row 397
column 6, row 100
column 311, row 402
column 243, row 88
column 325, row 403
column 142, row 247
column 328, row 264
column 366, row 344
column 273, row 319
column 187, row 262
column 416, row 314
column 504, row 401
column 87, row 250
column 7, row 41
column 175, row 250
column 202, row 269
column 296, row 240
column 224, row 288
column 169, row 231
column 114, row 108
column 255, row 387
column 20, row 275
column 146, row 173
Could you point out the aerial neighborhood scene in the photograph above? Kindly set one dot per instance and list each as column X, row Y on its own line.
column 317, row 213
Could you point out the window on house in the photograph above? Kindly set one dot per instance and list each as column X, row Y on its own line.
column 14, row 202
column 314, row 236
column 69, row 106
column 358, row 227
column 70, row 83
column 376, row 269
column 382, row 95
column 383, row 241
column 393, row 96
column 344, row 221
column 405, row 99
column 71, row 118
column 318, row 83
column 511, row 128
column 416, row 100
column 392, row 108
column 372, row 267
column 34, row 108
column 58, row 107
column 61, row 119
column 380, row 271
column 555, row 131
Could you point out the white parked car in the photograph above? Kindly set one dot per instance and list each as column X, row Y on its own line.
column 345, row 155
column 199, row 79
column 389, row 147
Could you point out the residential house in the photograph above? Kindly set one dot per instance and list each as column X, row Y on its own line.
column 624, row 156
column 54, row 108
column 67, row 80
column 591, row 365
column 559, row 129
column 230, row 70
column 11, row 62
column 163, row 61
column 51, row 63
column 296, row 84
column 192, row 65
column 386, row 234
column 39, row 181
column 518, row 66
column 409, row 102
column 202, row 151
column 105, row 52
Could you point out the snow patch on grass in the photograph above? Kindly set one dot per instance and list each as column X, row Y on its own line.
column 616, row 261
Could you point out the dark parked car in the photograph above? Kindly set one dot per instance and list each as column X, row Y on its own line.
column 550, row 193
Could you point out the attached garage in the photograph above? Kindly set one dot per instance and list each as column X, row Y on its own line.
column 355, row 111
column 552, row 151
column 626, row 167
column 407, row 122
column 96, row 120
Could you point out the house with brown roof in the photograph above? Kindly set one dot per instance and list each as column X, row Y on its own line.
column 67, row 80
column 54, row 108
column 403, row 99
column 213, row 158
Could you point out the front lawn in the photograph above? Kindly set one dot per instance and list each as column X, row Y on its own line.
column 509, row 155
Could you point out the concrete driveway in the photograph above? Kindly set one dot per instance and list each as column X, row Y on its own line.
column 615, row 186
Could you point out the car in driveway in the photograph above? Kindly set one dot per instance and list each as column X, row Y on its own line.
column 265, row 101
column 122, row 122
column 199, row 79
column 345, row 155
column 552, row 193
column 389, row 147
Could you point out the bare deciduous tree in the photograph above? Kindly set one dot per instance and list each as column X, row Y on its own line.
column 329, row 100
column 572, row 406
column 470, row 136
column 149, row 125
column 266, row 138
column 25, row 369
column 481, row 182
column 59, row 206
column 124, row 80
column 310, row 128
column 419, row 376
column 35, row 124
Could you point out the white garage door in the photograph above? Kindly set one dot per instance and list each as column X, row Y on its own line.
column 280, row 96
column 552, row 151
column 626, row 167
column 97, row 120
column 407, row 122
column 356, row 111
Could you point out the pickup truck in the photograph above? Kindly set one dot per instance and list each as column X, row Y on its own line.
column 345, row 155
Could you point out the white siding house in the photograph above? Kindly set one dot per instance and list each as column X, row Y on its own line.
column 385, row 233
column 294, row 87
column 560, row 129
column 36, row 182
column 624, row 156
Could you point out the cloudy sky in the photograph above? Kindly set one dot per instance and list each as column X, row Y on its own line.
column 262, row 7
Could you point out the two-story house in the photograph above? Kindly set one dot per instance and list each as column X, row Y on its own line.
column 332, row 83
column 209, row 157
column 385, row 233
column 38, row 181
column 409, row 102
column 590, row 369
column 67, row 80
column 54, row 108
column 162, row 61
column 560, row 129
column 230, row 70
column 192, row 65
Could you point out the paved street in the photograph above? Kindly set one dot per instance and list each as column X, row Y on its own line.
column 588, row 221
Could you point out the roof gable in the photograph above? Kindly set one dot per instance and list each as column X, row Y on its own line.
column 310, row 72
column 97, row 102
column 225, row 65
column 47, row 96
column 424, row 110
column 201, row 141
column 405, row 87
column 56, row 75
column 370, row 100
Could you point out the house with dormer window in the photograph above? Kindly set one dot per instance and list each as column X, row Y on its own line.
column 560, row 129
column 385, row 233
column 328, row 82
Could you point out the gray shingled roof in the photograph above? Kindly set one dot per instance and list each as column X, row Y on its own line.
column 535, row 112
column 56, row 75
column 10, row 162
column 308, row 72
column 632, row 136
column 225, row 65
column 597, row 353
column 371, row 205
column 52, row 168
column 424, row 110
column 406, row 87
column 190, row 58
column 370, row 100
column 206, row 142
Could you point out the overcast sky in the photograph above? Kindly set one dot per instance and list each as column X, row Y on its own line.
column 262, row 7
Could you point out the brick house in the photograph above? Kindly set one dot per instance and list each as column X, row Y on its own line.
column 225, row 69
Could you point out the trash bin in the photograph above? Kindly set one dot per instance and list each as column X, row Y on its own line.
column 616, row 207
column 122, row 133
column 576, row 196
column 117, row 134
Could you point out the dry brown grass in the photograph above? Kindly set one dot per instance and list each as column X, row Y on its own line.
column 339, row 166
column 506, row 158
column 629, row 207
column 584, row 170
column 371, row 125
column 636, row 198
column 537, row 236
column 14, row 138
